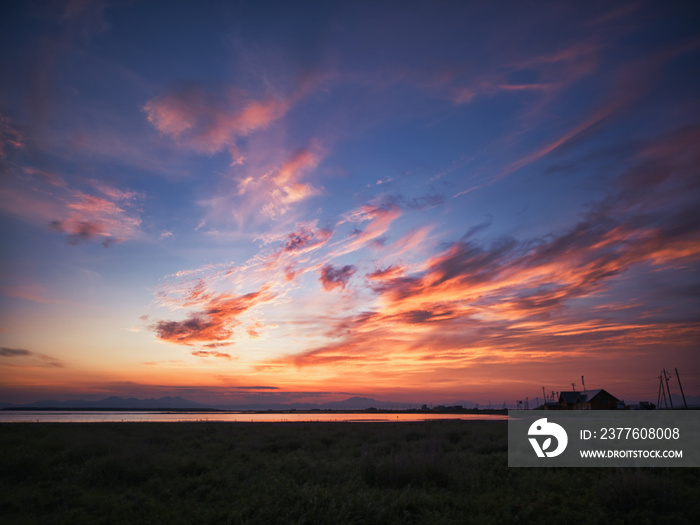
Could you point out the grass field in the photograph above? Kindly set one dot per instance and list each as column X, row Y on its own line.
column 299, row 473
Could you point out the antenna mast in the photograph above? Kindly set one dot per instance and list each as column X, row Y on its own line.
column 682, row 394
column 668, row 389
column 662, row 393
column 583, row 384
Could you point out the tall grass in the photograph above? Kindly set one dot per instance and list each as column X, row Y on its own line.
column 305, row 473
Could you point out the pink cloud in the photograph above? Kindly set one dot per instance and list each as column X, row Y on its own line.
column 46, row 198
column 380, row 217
column 91, row 217
column 270, row 186
column 209, row 123
column 11, row 138
column 285, row 186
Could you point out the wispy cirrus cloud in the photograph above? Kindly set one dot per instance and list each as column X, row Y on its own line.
column 477, row 302
column 83, row 208
column 632, row 82
column 11, row 137
column 378, row 216
column 292, row 258
column 209, row 122
column 101, row 212
column 212, row 119
column 309, row 249
column 541, row 74
column 468, row 301
column 275, row 190
column 204, row 353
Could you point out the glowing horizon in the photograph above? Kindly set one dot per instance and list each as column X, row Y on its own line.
column 236, row 204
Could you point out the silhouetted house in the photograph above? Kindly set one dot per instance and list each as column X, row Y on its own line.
column 598, row 399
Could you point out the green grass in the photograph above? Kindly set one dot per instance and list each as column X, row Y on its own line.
column 303, row 473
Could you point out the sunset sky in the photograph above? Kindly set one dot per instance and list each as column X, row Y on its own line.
column 418, row 202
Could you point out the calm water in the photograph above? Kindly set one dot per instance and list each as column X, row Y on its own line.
column 60, row 416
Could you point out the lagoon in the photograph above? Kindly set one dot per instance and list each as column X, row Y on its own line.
column 112, row 416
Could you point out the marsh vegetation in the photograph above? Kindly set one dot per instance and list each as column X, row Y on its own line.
column 304, row 473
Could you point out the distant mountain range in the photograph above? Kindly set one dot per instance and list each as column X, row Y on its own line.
column 179, row 403
column 113, row 402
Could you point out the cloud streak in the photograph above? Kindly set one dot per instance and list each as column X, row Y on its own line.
column 27, row 358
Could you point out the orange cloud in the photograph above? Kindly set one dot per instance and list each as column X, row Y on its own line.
column 530, row 301
column 215, row 323
column 204, row 353
column 451, row 313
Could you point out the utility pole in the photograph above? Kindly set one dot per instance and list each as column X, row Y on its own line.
column 682, row 394
column 662, row 393
column 668, row 389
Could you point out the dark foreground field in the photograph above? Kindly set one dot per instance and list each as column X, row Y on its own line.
column 373, row 473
